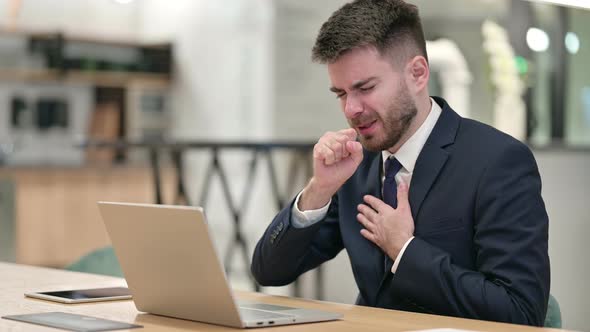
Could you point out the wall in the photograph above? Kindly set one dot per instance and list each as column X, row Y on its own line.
column 304, row 107
column 223, row 64
column 566, row 188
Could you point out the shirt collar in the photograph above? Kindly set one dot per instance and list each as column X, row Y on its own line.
column 408, row 153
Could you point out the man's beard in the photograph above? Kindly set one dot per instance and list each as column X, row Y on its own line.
column 395, row 123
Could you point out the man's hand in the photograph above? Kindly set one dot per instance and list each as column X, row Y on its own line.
column 385, row 226
column 336, row 157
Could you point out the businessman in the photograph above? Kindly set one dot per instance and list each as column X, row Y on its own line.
column 438, row 214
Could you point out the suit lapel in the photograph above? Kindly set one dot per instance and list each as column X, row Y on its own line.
column 433, row 157
column 430, row 162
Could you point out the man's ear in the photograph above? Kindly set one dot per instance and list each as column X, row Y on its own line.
column 417, row 74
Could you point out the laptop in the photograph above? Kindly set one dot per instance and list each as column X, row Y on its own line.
column 172, row 269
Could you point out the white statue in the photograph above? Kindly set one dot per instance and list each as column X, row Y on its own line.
column 446, row 59
column 509, row 107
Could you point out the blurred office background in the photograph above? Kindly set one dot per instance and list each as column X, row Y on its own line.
column 157, row 76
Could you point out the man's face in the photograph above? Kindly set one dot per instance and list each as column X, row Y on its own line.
column 374, row 97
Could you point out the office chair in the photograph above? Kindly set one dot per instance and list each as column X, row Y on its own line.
column 553, row 317
column 100, row 261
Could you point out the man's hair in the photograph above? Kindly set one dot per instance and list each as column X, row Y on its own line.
column 384, row 24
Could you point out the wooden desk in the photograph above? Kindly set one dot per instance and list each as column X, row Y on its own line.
column 18, row 279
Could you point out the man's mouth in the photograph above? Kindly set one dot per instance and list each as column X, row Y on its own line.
column 366, row 128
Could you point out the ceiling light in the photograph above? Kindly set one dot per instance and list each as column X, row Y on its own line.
column 537, row 40
column 572, row 42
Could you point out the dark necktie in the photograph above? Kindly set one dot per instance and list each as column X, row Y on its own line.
column 392, row 166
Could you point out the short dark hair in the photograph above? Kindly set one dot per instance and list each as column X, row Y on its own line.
column 383, row 24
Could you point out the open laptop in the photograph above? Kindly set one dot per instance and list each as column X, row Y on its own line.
column 172, row 269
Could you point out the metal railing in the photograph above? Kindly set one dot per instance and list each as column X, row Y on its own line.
column 300, row 153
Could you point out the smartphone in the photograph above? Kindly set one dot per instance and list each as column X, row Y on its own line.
column 84, row 295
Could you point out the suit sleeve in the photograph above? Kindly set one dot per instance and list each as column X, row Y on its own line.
column 285, row 252
column 512, row 276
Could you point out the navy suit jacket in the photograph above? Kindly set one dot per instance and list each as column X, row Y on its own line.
column 481, row 231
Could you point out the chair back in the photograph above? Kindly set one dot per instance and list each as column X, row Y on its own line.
column 100, row 261
column 553, row 317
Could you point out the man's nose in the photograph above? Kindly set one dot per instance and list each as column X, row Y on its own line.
column 352, row 107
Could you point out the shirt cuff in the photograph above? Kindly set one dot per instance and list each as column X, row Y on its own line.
column 302, row 219
column 399, row 256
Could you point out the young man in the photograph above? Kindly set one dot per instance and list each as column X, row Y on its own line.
column 439, row 214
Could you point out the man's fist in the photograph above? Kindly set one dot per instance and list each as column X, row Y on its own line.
column 336, row 157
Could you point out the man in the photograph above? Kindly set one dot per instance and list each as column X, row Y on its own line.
column 438, row 214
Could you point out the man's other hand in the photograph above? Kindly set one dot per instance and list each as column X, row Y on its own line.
column 385, row 226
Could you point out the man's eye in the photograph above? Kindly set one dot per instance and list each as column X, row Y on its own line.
column 340, row 95
column 368, row 88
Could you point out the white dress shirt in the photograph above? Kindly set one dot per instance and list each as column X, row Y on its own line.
column 407, row 155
